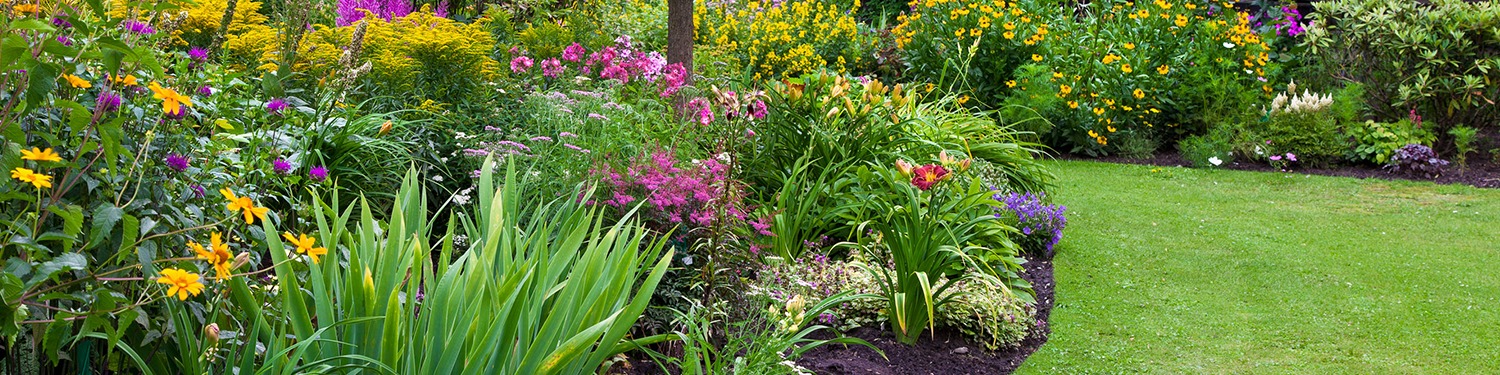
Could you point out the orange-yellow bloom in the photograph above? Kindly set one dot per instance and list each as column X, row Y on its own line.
column 244, row 205
column 181, row 283
column 305, row 245
column 217, row 254
column 77, row 82
column 38, row 154
column 171, row 101
column 40, row 181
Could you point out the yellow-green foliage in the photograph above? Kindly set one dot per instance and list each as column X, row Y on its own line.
column 420, row 55
column 545, row 40
column 203, row 18
column 789, row 39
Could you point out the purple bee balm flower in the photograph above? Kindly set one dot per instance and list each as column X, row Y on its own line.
column 138, row 28
column 318, row 173
column 206, row 90
column 64, row 40
column 281, row 166
column 275, row 106
column 108, row 101
column 198, row 53
column 177, row 162
column 60, row 22
column 198, row 191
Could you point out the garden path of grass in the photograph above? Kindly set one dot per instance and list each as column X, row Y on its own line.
column 1173, row 270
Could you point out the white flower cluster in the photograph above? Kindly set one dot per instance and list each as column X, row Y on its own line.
column 1306, row 102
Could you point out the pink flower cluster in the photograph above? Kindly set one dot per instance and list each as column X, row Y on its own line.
column 351, row 11
column 619, row 62
column 674, row 193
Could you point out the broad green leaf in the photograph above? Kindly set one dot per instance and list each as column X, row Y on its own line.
column 105, row 217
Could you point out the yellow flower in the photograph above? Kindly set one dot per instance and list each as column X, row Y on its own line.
column 1142, row 13
column 1110, row 58
column 1072, row 104
column 1127, row 108
column 1098, row 111
column 1092, row 134
column 1010, row 83
column 39, row 154
column 959, row 32
column 1125, row 68
column 1181, row 21
column 1010, row 25
column 1102, row 141
column 1162, row 70
column 305, row 246
column 1110, row 128
column 1036, row 57
column 182, row 283
column 1138, row 93
column 1057, row 75
column 217, row 254
column 1009, row 35
column 975, row 32
column 171, row 101
column 1129, row 45
column 244, row 205
column 127, row 80
column 40, row 181
column 963, row 99
column 26, row 8
column 1065, row 89
column 77, row 82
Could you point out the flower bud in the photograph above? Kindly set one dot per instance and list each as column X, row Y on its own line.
column 211, row 334
column 240, row 260
column 902, row 166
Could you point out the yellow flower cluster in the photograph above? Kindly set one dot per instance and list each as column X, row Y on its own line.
column 783, row 38
column 967, row 19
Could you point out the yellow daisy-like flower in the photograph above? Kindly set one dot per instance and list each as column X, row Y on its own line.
column 1036, row 57
column 1138, row 93
column 1162, row 70
column 1102, row 141
column 38, row 154
column 40, row 181
column 1098, row 111
column 1073, row 104
column 959, row 32
column 1065, row 89
column 1092, row 134
column 1010, row 25
column 77, row 82
column 217, row 254
column 305, row 245
column 171, row 101
column 127, row 81
column 975, row 32
column 1126, row 68
column 1142, row 13
column 1181, row 21
column 1111, row 129
column 1129, row 45
column 181, row 283
column 1010, row 83
column 244, row 205
column 1057, row 75
column 26, row 8
column 1009, row 35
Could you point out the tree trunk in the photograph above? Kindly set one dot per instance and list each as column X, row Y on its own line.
column 680, row 35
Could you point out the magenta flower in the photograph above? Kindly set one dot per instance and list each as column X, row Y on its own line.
column 1275, row 157
column 705, row 111
column 206, row 90
column 138, row 28
column 275, row 106
column 281, row 166
column 574, row 52
column 551, row 68
column 318, row 173
column 1291, row 157
column 198, row 53
column 758, row 109
column 64, row 40
column 351, row 11
column 177, row 162
column 520, row 64
column 198, row 191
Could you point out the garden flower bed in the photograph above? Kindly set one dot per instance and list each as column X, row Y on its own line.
column 700, row 187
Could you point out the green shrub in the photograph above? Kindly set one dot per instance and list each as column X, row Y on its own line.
column 1374, row 142
column 1463, row 143
column 1441, row 60
column 983, row 312
column 1300, row 124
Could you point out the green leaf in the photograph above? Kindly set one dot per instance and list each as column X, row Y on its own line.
column 32, row 24
column 42, row 80
column 57, row 332
column 62, row 263
column 130, row 230
column 72, row 216
column 105, row 217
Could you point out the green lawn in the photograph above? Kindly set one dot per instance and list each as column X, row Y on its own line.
column 1174, row 270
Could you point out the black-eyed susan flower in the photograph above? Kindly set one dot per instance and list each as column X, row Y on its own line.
column 1126, row 68
column 1036, row 57
column 38, row 154
column 1129, row 45
column 1162, row 70
column 1138, row 93
column 244, row 205
column 305, row 245
column 180, row 283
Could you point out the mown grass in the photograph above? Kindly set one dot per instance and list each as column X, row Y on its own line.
column 1173, row 270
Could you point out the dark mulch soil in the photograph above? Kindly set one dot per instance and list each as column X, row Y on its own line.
column 937, row 352
column 1482, row 170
